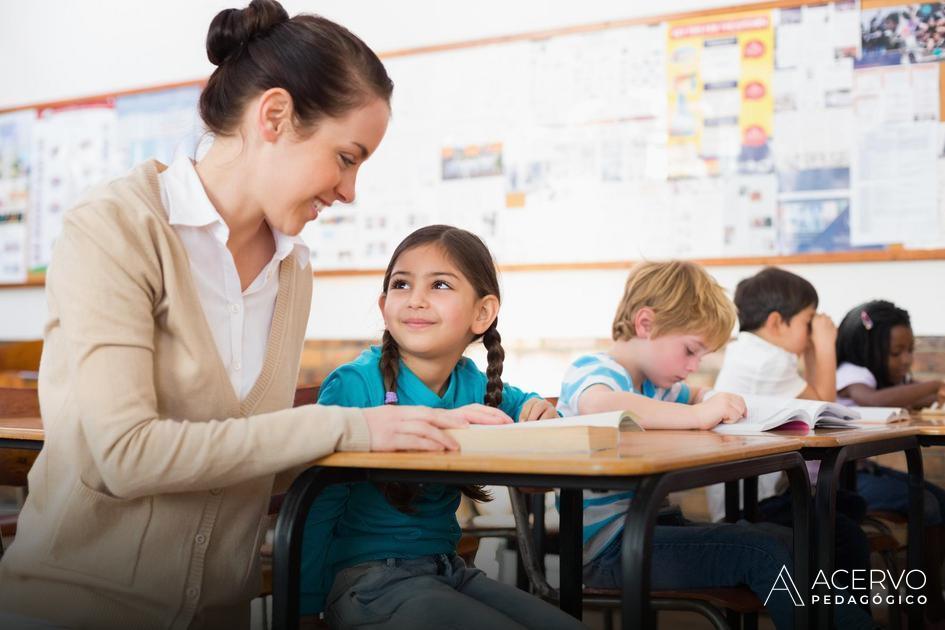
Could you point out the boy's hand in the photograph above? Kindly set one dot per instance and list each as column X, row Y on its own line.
column 722, row 407
column 537, row 409
column 823, row 332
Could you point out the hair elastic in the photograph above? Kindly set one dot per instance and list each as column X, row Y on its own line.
column 867, row 322
column 390, row 398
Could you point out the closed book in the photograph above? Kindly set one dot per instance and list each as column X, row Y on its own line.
column 577, row 434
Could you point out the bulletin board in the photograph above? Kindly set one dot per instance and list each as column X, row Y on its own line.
column 769, row 133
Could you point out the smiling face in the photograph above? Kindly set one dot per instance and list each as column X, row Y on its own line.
column 299, row 176
column 430, row 308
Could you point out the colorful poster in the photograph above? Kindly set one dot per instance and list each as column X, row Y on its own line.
column 16, row 135
column 157, row 125
column 73, row 149
column 902, row 34
column 721, row 105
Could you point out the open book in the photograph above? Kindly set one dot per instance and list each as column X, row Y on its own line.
column 881, row 415
column 768, row 412
column 577, row 434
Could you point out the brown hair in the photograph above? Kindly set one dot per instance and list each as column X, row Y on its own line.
column 684, row 298
column 472, row 257
column 326, row 69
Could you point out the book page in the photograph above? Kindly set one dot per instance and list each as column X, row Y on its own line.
column 614, row 419
column 881, row 415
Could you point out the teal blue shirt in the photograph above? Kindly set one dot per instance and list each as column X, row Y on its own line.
column 353, row 523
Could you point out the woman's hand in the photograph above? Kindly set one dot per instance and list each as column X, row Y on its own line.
column 406, row 428
column 537, row 409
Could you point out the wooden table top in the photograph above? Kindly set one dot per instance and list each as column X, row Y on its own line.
column 639, row 453
column 21, row 429
column 828, row 438
column 928, row 425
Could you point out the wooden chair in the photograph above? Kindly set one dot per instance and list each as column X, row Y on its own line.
column 15, row 464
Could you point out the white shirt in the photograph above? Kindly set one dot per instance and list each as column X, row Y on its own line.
column 753, row 365
column 239, row 320
column 851, row 374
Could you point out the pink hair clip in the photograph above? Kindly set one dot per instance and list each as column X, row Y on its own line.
column 390, row 398
column 867, row 322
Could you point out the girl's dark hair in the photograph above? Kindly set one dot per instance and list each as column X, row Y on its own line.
column 863, row 337
column 472, row 257
column 768, row 291
column 326, row 69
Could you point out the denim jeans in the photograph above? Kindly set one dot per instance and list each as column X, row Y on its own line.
column 852, row 545
column 887, row 490
column 710, row 555
column 434, row 592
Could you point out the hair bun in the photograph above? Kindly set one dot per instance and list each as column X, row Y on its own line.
column 232, row 29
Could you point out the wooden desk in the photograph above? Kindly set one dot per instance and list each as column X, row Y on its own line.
column 20, row 442
column 653, row 463
column 21, row 433
column 835, row 447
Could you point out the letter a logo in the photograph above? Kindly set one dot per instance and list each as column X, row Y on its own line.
column 786, row 583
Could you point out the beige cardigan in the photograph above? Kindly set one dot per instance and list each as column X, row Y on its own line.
column 146, row 503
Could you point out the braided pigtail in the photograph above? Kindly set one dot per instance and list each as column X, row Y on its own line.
column 390, row 366
column 398, row 494
column 495, row 355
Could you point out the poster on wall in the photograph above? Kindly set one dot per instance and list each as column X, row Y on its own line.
column 16, row 130
column 720, row 102
column 814, row 125
column 73, row 149
column 902, row 34
column 894, row 171
column 157, row 125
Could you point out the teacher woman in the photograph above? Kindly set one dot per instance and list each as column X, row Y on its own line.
column 178, row 300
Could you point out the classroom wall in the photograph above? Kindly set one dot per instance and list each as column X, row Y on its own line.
column 64, row 49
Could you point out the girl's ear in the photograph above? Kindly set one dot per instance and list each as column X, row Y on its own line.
column 643, row 323
column 381, row 301
column 274, row 114
column 487, row 309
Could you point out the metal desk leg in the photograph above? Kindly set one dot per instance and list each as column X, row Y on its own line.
column 800, row 497
column 635, row 553
column 571, row 550
column 825, row 518
column 287, row 545
column 916, row 526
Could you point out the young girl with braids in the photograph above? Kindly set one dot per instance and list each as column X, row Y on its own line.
column 382, row 555
column 875, row 348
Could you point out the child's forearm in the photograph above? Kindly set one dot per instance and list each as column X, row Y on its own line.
column 652, row 414
column 825, row 376
column 820, row 372
column 911, row 395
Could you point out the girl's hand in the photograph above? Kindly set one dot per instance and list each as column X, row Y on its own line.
column 721, row 407
column 406, row 428
column 537, row 409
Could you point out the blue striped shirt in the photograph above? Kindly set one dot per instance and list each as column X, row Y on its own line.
column 604, row 512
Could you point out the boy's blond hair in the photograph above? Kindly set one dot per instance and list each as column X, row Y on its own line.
column 684, row 298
